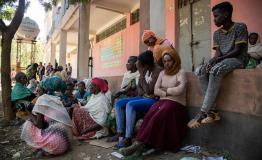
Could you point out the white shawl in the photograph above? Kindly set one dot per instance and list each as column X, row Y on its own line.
column 52, row 107
column 255, row 51
column 98, row 108
column 128, row 77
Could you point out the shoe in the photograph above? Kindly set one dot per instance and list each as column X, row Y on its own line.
column 212, row 116
column 113, row 138
column 196, row 122
column 123, row 143
column 137, row 146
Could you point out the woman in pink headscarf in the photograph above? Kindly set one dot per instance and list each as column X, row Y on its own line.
column 153, row 42
column 89, row 119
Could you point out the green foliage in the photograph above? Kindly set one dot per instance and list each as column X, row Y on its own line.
column 7, row 13
column 7, row 10
column 48, row 4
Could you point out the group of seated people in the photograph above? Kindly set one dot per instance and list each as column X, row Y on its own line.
column 154, row 88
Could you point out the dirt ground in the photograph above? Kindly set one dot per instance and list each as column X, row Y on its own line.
column 11, row 147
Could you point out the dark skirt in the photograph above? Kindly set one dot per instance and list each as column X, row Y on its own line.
column 164, row 126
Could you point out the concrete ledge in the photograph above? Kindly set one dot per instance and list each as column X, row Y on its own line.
column 237, row 133
column 241, row 92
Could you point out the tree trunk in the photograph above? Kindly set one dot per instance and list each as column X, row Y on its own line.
column 5, row 76
column 8, row 33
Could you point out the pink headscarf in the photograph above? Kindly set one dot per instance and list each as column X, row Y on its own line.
column 101, row 84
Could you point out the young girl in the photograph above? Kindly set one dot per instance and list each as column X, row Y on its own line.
column 254, row 51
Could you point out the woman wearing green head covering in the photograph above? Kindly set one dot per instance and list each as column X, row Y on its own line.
column 20, row 95
column 53, row 85
column 49, row 129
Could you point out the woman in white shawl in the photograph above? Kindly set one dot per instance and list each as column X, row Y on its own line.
column 254, row 51
column 90, row 119
column 48, row 130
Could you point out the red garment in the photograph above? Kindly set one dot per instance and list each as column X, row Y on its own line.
column 101, row 84
column 164, row 126
column 81, row 120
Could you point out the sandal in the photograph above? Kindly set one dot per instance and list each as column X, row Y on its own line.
column 196, row 122
column 212, row 116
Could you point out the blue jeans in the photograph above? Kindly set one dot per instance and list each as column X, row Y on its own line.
column 130, row 106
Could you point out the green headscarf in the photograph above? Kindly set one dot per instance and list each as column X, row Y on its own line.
column 20, row 92
column 53, row 84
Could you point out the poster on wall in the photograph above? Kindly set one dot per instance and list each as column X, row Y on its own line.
column 111, row 52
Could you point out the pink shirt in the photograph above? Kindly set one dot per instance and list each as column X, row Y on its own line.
column 175, row 84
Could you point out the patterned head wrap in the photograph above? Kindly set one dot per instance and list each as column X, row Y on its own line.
column 147, row 34
column 53, row 84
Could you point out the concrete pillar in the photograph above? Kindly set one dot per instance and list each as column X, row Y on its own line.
column 62, row 51
column 83, row 41
column 153, row 17
column 144, row 21
column 158, row 17
column 53, row 54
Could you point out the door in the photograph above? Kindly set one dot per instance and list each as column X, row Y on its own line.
column 194, row 32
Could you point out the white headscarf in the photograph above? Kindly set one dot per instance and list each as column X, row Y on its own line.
column 51, row 106
column 255, row 51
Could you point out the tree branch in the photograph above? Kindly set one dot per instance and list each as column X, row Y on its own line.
column 2, row 25
column 16, row 21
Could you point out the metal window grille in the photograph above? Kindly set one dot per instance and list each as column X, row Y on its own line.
column 118, row 26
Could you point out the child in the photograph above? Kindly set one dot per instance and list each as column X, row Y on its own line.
column 68, row 98
column 130, row 79
column 230, row 43
column 82, row 95
column 254, row 51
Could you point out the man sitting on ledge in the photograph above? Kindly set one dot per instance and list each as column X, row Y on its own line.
column 230, row 43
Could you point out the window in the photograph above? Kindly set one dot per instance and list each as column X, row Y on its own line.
column 118, row 26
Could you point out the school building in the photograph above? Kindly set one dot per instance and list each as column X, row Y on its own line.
column 98, row 37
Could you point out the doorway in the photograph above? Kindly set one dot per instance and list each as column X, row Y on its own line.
column 194, row 32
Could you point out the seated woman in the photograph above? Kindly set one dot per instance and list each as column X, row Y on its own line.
column 165, row 124
column 128, row 107
column 21, row 96
column 254, row 51
column 49, row 129
column 82, row 95
column 89, row 119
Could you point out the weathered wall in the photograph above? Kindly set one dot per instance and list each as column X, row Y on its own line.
column 241, row 92
column 130, row 46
